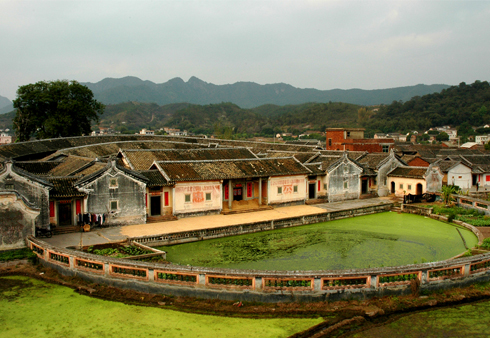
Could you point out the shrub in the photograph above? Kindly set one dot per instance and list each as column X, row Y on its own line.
column 11, row 255
column 486, row 244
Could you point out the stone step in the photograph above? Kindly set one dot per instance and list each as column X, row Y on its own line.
column 163, row 218
column 65, row 229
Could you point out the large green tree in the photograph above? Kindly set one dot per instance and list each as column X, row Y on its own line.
column 54, row 109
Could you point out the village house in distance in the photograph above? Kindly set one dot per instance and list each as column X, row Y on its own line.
column 352, row 139
column 112, row 180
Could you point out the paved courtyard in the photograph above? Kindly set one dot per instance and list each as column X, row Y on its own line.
column 114, row 234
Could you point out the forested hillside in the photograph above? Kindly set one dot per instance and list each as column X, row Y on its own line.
column 454, row 106
column 132, row 116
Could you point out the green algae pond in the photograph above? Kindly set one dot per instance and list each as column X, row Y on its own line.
column 32, row 308
column 378, row 240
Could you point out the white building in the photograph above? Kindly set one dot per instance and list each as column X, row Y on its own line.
column 145, row 131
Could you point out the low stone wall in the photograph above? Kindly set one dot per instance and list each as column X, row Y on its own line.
column 259, row 285
column 415, row 209
column 473, row 203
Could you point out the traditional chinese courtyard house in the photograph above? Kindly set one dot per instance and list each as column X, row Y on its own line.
column 211, row 186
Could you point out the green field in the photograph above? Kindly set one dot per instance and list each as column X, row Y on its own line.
column 471, row 320
column 385, row 239
column 31, row 308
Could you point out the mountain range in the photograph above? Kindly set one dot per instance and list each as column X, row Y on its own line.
column 243, row 94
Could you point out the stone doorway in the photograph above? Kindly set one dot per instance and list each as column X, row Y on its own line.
column 64, row 214
column 156, row 205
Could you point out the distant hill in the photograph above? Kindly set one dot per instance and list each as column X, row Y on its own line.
column 243, row 94
column 5, row 105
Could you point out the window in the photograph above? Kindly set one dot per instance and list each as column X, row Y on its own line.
column 279, row 190
column 208, row 196
column 9, row 186
column 329, row 142
column 187, row 198
column 401, row 185
column 295, row 189
column 386, row 149
column 325, row 186
column 348, row 134
column 113, row 183
column 385, row 182
column 346, row 184
column 114, row 205
column 409, row 187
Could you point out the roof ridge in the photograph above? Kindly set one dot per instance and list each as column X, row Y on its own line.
column 230, row 160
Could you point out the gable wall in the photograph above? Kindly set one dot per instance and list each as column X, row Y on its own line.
column 382, row 179
column 129, row 193
column 33, row 192
column 348, row 173
column 460, row 175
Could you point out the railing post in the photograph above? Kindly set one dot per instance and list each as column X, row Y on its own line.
column 317, row 284
column 374, row 281
column 258, row 283
column 202, row 279
column 424, row 277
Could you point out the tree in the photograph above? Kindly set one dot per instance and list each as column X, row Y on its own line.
column 443, row 136
column 447, row 191
column 54, row 109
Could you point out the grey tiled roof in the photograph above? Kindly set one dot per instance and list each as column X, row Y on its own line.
column 408, row 172
column 64, row 187
column 155, row 178
column 143, row 159
column 231, row 169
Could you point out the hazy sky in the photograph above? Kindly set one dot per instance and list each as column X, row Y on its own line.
column 308, row 44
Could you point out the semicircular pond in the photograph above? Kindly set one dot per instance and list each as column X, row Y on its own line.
column 385, row 239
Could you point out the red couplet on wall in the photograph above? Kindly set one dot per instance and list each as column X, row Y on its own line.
column 51, row 209
column 79, row 207
column 249, row 189
column 166, row 198
column 226, row 192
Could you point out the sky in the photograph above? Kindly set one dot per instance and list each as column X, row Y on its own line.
column 304, row 43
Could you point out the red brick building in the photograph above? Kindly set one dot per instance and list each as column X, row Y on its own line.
column 418, row 162
column 352, row 139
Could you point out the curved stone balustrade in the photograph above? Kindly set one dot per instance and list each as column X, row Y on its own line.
column 258, row 285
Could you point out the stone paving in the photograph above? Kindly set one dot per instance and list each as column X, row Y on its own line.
column 114, row 234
